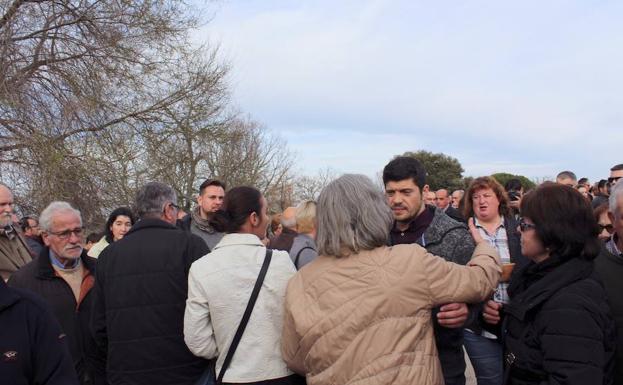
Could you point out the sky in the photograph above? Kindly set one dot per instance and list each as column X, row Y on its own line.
column 526, row 87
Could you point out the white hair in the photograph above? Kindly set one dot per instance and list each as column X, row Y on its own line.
column 45, row 219
column 615, row 196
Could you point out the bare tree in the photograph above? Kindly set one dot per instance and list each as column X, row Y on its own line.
column 97, row 97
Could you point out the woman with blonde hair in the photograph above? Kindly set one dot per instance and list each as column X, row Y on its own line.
column 303, row 248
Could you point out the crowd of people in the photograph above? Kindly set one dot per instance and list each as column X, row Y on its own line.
column 363, row 286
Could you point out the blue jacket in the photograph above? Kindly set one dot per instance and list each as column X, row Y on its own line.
column 33, row 349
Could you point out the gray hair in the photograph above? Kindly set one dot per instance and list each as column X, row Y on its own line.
column 151, row 198
column 352, row 216
column 615, row 195
column 54, row 208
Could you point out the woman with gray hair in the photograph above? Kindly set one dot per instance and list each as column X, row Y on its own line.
column 361, row 311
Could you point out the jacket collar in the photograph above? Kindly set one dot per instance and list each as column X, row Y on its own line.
column 236, row 239
column 148, row 223
column 440, row 226
column 45, row 269
column 563, row 275
column 7, row 296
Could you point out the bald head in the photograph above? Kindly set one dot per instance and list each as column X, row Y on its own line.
column 288, row 218
column 6, row 206
column 442, row 198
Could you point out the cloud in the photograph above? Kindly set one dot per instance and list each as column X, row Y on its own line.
column 520, row 81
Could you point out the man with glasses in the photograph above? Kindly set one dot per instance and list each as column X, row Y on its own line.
column 609, row 265
column 616, row 173
column 13, row 250
column 63, row 275
column 140, row 296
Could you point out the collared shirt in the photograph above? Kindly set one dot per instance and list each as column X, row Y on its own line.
column 612, row 247
column 415, row 231
column 499, row 240
column 9, row 232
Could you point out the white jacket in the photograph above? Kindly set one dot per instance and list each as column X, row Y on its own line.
column 219, row 287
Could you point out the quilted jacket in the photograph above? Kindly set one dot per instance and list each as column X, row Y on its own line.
column 366, row 319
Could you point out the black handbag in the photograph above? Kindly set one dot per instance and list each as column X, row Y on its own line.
column 245, row 316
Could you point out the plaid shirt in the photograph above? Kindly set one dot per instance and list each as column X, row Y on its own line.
column 499, row 240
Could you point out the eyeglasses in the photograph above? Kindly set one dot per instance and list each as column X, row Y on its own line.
column 613, row 180
column 609, row 228
column 524, row 226
column 174, row 205
column 64, row 235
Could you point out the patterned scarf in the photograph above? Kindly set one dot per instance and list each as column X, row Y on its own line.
column 202, row 224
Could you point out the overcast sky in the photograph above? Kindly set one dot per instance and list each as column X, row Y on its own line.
column 528, row 87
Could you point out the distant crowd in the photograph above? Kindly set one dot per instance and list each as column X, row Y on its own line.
column 361, row 286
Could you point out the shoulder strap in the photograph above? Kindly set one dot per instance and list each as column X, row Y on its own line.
column 245, row 316
column 298, row 255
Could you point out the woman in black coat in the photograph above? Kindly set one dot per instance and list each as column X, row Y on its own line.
column 557, row 328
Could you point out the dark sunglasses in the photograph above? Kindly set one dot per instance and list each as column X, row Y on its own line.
column 609, row 228
column 613, row 180
column 523, row 226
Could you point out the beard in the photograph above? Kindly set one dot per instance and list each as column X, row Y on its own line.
column 6, row 219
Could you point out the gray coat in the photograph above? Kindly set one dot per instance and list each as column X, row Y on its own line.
column 304, row 244
column 448, row 239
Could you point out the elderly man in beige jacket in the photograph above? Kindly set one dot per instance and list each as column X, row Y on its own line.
column 360, row 313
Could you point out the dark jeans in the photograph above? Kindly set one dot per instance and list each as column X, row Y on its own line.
column 486, row 356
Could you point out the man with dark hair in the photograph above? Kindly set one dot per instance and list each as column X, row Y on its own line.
column 140, row 295
column 209, row 200
column 63, row 275
column 567, row 178
column 616, row 173
column 14, row 252
column 414, row 222
column 32, row 234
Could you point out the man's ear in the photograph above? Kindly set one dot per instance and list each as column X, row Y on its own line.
column 44, row 237
column 425, row 189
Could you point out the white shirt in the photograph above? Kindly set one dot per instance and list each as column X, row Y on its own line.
column 219, row 288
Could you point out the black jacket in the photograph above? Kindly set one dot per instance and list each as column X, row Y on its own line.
column 557, row 327
column 610, row 270
column 140, row 296
column 514, row 248
column 38, row 276
column 32, row 347
column 450, row 240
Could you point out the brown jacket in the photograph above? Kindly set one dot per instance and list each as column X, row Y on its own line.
column 366, row 319
column 13, row 253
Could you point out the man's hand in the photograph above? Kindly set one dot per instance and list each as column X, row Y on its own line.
column 491, row 312
column 453, row 315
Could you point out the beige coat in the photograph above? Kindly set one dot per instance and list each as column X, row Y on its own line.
column 13, row 254
column 366, row 319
